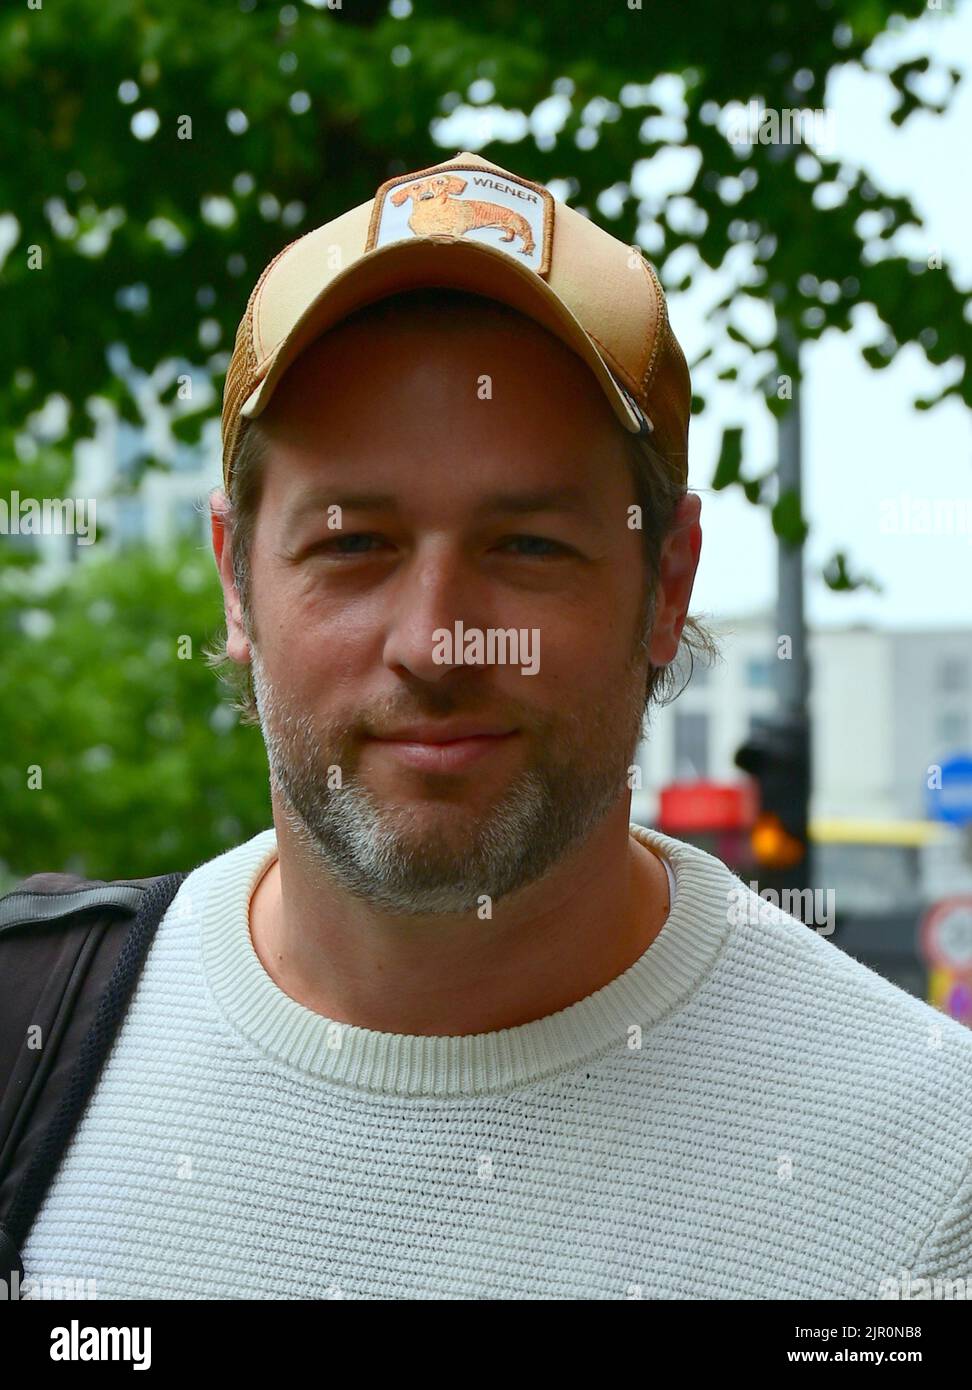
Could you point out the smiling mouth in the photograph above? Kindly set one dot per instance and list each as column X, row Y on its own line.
column 451, row 755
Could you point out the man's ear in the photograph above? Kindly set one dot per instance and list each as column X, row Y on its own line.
column 237, row 642
column 679, row 562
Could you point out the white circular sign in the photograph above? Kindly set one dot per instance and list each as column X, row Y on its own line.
column 946, row 934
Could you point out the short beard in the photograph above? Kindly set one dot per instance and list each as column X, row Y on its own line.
column 582, row 768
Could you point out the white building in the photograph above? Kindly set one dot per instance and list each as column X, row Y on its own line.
column 886, row 707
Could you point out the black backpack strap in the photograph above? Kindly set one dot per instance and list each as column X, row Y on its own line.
column 71, row 951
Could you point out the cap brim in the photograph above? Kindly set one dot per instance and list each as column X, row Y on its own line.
column 444, row 262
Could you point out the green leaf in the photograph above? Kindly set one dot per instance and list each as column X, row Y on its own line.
column 188, row 428
column 788, row 522
column 837, row 576
column 730, row 458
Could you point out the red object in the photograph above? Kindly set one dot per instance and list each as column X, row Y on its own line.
column 945, row 933
column 700, row 806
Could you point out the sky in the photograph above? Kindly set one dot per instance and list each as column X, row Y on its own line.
column 868, row 454
column 866, row 450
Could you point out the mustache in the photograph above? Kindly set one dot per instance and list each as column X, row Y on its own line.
column 382, row 716
column 405, row 717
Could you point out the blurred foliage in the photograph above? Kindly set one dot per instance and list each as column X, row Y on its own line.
column 107, row 702
column 120, row 233
column 154, row 242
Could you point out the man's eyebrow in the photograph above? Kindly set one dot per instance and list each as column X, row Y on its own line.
column 562, row 498
column 319, row 499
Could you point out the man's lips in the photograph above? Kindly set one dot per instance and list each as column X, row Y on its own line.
column 444, row 732
column 441, row 748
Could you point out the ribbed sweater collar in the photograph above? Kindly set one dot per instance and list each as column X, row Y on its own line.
column 476, row 1063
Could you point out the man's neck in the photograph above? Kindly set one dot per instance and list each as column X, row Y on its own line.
column 545, row 947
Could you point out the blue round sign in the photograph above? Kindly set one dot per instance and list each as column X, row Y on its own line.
column 952, row 801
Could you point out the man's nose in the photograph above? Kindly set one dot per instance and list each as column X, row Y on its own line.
column 436, row 591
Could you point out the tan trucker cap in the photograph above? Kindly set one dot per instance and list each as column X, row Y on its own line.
column 468, row 224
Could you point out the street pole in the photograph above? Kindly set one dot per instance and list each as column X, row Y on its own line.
column 793, row 673
column 777, row 750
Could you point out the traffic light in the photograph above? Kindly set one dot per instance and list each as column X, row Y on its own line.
column 777, row 755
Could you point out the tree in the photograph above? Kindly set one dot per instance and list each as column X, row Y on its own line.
column 122, row 757
column 158, row 165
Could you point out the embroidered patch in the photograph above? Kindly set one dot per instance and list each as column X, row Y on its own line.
column 458, row 200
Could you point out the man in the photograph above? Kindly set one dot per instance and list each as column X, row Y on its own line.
column 454, row 1028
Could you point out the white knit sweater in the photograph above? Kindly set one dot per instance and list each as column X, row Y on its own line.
column 746, row 1112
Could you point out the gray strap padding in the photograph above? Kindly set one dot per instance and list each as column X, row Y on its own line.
column 19, row 908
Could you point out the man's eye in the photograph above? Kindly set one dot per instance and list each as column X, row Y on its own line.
column 350, row 545
column 538, row 547
column 358, row 543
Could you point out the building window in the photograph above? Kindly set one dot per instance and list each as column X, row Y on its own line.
column 759, row 672
column 691, row 745
column 953, row 730
column 953, row 675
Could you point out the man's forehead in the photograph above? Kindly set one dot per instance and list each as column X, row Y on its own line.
column 481, row 501
column 430, row 312
column 419, row 324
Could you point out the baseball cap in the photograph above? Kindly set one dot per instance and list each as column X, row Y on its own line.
column 469, row 224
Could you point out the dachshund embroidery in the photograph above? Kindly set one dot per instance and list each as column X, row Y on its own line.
column 437, row 207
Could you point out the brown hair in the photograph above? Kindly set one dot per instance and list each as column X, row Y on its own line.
column 239, row 517
column 657, row 495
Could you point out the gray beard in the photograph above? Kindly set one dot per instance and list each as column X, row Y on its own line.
column 376, row 851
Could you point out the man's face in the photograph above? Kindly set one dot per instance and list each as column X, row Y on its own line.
column 481, row 479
